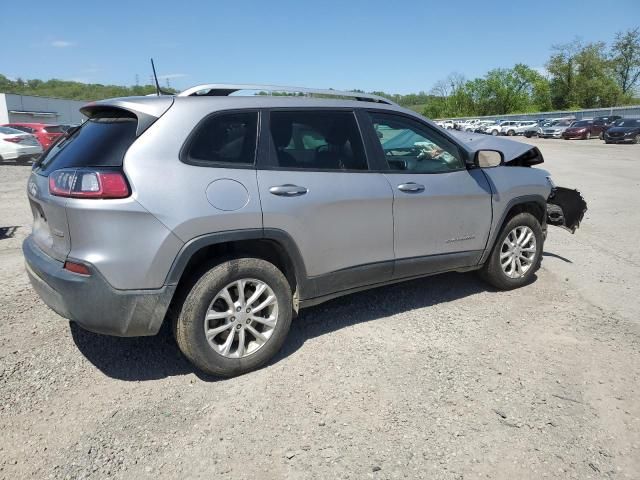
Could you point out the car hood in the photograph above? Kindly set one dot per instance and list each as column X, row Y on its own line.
column 575, row 129
column 557, row 129
column 512, row 150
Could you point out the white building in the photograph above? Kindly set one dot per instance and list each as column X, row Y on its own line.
column 29, row 109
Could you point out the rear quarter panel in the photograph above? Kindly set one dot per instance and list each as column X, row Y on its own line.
column 179, row 195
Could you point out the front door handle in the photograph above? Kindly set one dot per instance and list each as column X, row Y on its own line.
column 288, row 190
column 411, row 187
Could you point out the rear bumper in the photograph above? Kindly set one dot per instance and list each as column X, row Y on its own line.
column 91, row 302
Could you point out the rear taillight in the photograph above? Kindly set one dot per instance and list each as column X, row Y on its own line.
column 14, row 139
column 88, row 184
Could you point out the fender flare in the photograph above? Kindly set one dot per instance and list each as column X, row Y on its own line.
column 514, row 202
column 278, row 236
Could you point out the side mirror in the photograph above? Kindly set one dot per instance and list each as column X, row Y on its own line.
column 488, row 158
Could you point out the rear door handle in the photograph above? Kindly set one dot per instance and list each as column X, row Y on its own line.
column 411, row 187
column 288, row 190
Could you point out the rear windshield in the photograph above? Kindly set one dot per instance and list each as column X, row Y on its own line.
column 10, row 131
column 101, row 141
column 53, row 129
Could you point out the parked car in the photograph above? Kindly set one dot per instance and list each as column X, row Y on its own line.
column 508, row 127
column 18, row 146
column 233, row 228
column 494, row 129
column 46, row 134
column 555, row 129
column 519, row 128
column 608, row 119
column 483, row 125
column 623, row 131
column 584, row 129
column 536, row 129
column 448, row 124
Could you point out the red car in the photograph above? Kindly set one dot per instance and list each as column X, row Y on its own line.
column 46, row 134
column 584, row 129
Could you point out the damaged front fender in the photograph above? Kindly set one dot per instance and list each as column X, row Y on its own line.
column 565, row 208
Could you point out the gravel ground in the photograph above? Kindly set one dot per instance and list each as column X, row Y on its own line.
column 440, row 378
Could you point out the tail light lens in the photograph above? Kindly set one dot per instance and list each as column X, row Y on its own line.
column 88, row 184
column 75, row 267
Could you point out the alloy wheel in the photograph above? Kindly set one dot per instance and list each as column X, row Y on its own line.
column 518, row 252
column 241, row 318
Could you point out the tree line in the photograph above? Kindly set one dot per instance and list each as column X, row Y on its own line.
column 577, row 75
column 71, row 90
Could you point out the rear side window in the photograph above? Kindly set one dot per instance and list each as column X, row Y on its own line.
column 23, row 128
column 102, row 141
column 224, row 139
column 317, row 140
column 53, row 129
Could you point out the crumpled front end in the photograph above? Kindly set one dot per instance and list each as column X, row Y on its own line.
column 565, row 208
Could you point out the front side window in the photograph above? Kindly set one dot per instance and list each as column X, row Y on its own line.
column 228, row 138
column 411, row 146
column 317, row 140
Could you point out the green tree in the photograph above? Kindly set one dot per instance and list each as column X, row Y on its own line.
column 625, row 56
column 582, row 76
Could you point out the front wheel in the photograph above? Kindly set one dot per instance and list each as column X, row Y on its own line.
column 636, row 139
column 516, row 254
column 235, row 317
column 587, row 136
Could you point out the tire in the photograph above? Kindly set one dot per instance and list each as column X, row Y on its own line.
column 189, row 322
column 494, row 133
column 528, row 134
column 511, row 133
column 587, row 135
column 492, row 271
column 636, row 139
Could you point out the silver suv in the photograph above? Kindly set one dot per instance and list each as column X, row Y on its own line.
column 225, row 214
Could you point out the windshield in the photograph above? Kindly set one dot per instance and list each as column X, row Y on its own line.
column 583, row 123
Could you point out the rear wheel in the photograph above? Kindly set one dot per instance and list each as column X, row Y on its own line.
column 516, row 254
column 511, row 133
column 636, row 139
column 235, row 318
column 587, row 136
column 494, row 132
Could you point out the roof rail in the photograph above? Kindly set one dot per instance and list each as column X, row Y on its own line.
column 224, row 89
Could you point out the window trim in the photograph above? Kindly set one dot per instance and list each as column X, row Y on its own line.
column 267, row 157
column 183, row 155
column 379, row 152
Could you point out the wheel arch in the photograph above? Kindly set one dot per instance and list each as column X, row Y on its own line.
column 533, row 204
column 272, row 245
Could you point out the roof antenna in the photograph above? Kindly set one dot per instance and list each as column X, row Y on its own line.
column 159, row 91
